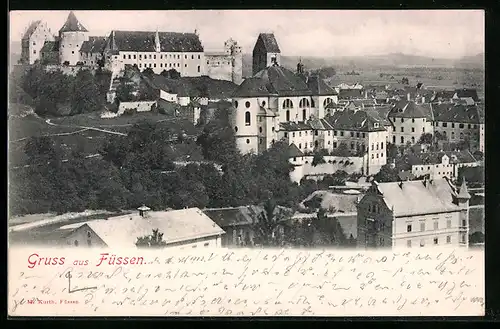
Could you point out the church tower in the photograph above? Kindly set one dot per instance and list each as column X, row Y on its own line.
column 266, row 52
column 157, row 42
column 72, row 35
column 463, row 198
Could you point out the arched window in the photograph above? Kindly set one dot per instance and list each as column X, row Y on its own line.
column 327, row 101
column 312, row 103
column 287, row 104
column 247, row 104
column 461, row 135
column 304, row 102
column 304, row 115
column 402, row 140
column 287, row 115
column 260, row 129
column 263, row 103
column 412, row 140
column 235, row 103
column 247, row 118
column 76, row 243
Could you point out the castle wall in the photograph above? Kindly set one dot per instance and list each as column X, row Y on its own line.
column 220, row 66
column 31, row 47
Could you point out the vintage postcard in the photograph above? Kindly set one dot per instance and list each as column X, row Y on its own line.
column 208, row 163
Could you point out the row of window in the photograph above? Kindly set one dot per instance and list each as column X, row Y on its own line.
column 412, row 129
column 153, row 56
column 412, row 120
column 460, row 125
column 304, row 102
column 409, row 226
column 436, row 241
column 402, row 139
column 376, row 155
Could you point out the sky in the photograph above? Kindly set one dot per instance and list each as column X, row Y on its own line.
column 322, row 33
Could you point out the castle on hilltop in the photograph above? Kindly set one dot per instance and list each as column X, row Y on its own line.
column 74, row 48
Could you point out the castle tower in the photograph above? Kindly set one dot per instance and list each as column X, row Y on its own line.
column 33, row 40
column 463, row 198
column 237, row 63
column 266, row 52
column 157, row 42
column 72, row 35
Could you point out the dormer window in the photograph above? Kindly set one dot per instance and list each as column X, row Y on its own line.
column 375, row 125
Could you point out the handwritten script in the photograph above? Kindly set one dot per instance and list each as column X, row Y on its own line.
column 242, row 282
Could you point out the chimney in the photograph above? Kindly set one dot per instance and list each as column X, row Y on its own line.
column 143, row 211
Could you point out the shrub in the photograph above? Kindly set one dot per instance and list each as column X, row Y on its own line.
column 130, row 111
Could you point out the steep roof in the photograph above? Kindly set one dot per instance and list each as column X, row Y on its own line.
column 176, row 226
column 283, row 81
column 408, row 109
column 294, row 151
column 31, row 29
column 460, row 113
column 270, row 43
column 467, row 92
column 234, row 216
column 295, row 126
column 319, row 87
column 50, row 46
column 355, row 121
column 253, row 87
column 350, row 93
column 144, row 41
column 413, row 197
column 93, row 45
column 464, row 193
column 431, row 158
column 72, row 25
column 320, row 124
column 380, row 113
column 444, row 95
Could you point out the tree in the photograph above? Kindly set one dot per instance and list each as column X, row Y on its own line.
column 146, row 92
column 342, row 150
column 317, row 159
column 392, row 151
column 85, row 95
column 426, row 138
column 171, row 74
column 148, row 71
column 337, row 179
column 124, row 92
column 154, row 240
column 476, row 237
column 266, row 228
column 386, row 174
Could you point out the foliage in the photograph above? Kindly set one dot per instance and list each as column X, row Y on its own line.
column 148, row 71
column 324, row 72
column 342, row 150
column 154, row 240
column 124, row 92
column 426, row 138
column 476, row 237
column 473, row 175
column 266, row 228
column 171, row 74
column 317, row 159
column 386, row 174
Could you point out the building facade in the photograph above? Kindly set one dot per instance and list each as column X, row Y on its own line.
column 33, row 41
column 265, row 53
column 411, row 214
column 409, row 122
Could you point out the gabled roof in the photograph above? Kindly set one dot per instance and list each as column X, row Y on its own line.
column 456, row 113
column 464, row 193
column 294, row 126
column 414, row 198
column 176, row 226
column 72, row 25
column 269, row 42
column 354, row 121
column 319, row 87
column 432, row 158
column 144, row 41
column 283, row 81
column 380, row 113
column 320, row 124
column 293, row 151
column 467, row 92
column 93, row 45
column 253, row 87
column 408, row 109
column 50, row 46
column 234, row 216
column 444, row 95
column 350, row 93
column 31, row 29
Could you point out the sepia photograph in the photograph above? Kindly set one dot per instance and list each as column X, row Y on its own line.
column 200, row 130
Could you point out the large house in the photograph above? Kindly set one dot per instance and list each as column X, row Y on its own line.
column 185, row 228
column 184, row 52
column 409, row 121
column 411, row 214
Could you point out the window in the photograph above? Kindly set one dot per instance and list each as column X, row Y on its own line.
column 236, row 129
column 161, row 64
column 76, row 243
column 408, row 228
column 327, row 101
column 235, row 103
column 422, row 226
column 140, row 65
column 402, row 129
column 412, row 139
column 377, row 155
column 185, row 56
column 352, row 146
column 334, row 133
column 436, row 225
column 304, row 102
column 129, row 56
column 452, row 135
column 402, row 120
column 329, row 133
column 248, row 141
column 206, row 244
column 293, row 134
column 199, row 57
column 382, row 145
column 287, row 104
column 448, row 239
column 402, row 140
column 315, row 133
column 373, row 156
column 445, row 124
column 140, row 56
column 272, row 129
column 263, row 103
column 287, row 115
column 412, row 129
column 461, row 126
column 247, row 104
column 247, row 118
column 377, row 147
column 452, row 125
column 408, row 243
column 352, row 133
column 89, row 235
column 300, row 133
column 448, row 223
column 260, row 129
column 381, row 155
column 335, row 144
column 463, row 238
column 34, row 43
column 394, row 139
column 464, row 223
column 311, row 144
column 199, row 69
column 300, row 145
column 150, row 56
column 413, row 120
column 124, row 56
column 304, row 115
column 422, row 243
column 260, row 141
column 341, row 133
column 154, row 65
column 436, row 241
column 185, row 65
column 363, row 135
column 286, row 134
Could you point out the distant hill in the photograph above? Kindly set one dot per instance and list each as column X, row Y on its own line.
column 376, row 61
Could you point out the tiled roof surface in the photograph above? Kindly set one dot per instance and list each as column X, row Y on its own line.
column 176, row 226
column 31, row 29
column 144, row 41
column 350, row 93
column 414, row 198
column 283, row 81
column 50, row 46
column 444, row 95
column 225, row 217
column 456, row 113
column 253, row 87
column 466, row 92
column 354, row 120
column 295, row 126
column 320, row 124
column 380, row 113
column 319, row 87
column 72, row 25
column 294, row 151
column 93, row 45
column 408, row 109
column 431, row 158
column 270, row 43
